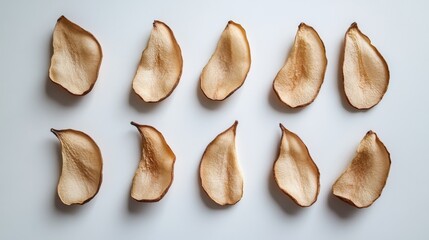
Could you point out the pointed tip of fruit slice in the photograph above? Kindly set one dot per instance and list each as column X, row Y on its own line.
column 235, row 124
column 231, row 22
column 283, row 128
column 302, row 24
column 55, row 131
column 156, row 22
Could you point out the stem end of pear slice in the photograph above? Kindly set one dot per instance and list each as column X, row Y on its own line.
column 55, row 131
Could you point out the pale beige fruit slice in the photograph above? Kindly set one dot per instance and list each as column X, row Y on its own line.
column 76, row 59
column 363, row 181
column 365, row 72
column 220, row 172
column 298, row 83
column 294, row 170
column 228, row 66
column 160, row 66
column 82, row 166
column 155, row 171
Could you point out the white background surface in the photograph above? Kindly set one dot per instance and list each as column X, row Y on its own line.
column 31, row 105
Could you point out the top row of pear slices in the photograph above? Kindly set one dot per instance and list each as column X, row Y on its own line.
column 77, row 58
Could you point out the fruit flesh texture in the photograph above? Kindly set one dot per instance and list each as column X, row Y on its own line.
column 363, row 181
column 155, row 171
column 227, row 69
column 82, row 163
column 160, row 67
column 294, row 170
column 299, row 81
column 365, row 72
column 77, row 58
column 220, row 173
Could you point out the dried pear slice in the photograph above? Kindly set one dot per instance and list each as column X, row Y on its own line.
column 154, row 174
column 363, row 181
column 82, row 166
column 298, row 82
column 294, row 170
column 76, row 59
column 228, row 66
column 365, row 72
column 220, row 172
column 160, row 66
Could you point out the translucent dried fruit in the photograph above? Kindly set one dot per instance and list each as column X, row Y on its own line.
column 76, row 59
column 220, row 173
column 228, row 67
column 82, row 166
column 294, row 170
column 160, row 66
column 298, row 82
column 154, row 174
column 365, row 72
column 363, row 181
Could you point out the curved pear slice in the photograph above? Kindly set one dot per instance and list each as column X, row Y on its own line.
column 298, row 83
column 160, row 66
column 220, row 173
column 363, row 181
column 76, row 59
column 154, row 174
column 228, row 67
column 365, row 72
column 294, row 170
column 82, row 166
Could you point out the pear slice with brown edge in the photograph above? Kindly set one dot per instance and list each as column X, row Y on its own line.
column 82, row 165
column 295, row 171
column 160, row 65
column 155, row 171
column 365, row 72
column 227, row 68
column 220, row 173
column 77, row 57
column 298, row 82
column 364, row 179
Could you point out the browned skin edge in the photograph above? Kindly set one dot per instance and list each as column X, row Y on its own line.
column 181, row 67
column 323, row 79
column 234, row 127
column 62, row 18
column 318, row 172
column 250, row 58
column 55, row 131
column 354, row 25
column 172, row 169
column 390, row 163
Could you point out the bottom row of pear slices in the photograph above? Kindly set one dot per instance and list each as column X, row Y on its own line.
column 221, row 177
